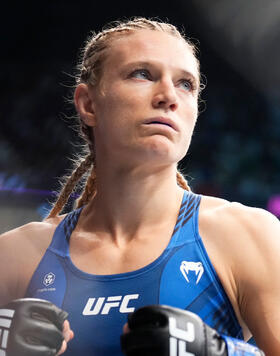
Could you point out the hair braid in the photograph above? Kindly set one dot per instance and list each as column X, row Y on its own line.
column 70, row 185
column 182, row 182
column 87, row 135
column 89, row 190
column 90, row 187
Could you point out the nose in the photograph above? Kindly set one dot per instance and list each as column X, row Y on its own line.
column 165, row 96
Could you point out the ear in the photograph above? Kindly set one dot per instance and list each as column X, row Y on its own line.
column 84, row 104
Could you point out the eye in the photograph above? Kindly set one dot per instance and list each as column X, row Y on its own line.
column 141, row 74
column 186, row 84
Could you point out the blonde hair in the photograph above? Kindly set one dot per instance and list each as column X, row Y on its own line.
column 90, row 72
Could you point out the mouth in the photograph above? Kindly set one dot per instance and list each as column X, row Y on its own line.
column 162, row 121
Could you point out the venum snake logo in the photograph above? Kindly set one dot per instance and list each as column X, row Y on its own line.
column 196, row 267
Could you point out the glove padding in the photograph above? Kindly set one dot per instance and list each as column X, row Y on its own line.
column 31, row 327
column 166, row 331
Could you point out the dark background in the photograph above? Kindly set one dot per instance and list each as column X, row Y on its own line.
column 235, row 152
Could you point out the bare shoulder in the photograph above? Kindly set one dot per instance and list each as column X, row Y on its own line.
column 236, row 219
column 22, row 249
column 230, row 228
column 34, row 232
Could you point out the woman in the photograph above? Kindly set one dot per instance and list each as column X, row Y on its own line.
column 138, row 235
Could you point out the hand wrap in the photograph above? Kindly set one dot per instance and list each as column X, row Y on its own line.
column 31, row 327
column 165, row 331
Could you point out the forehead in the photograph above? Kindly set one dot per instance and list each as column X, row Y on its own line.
column 148, row 45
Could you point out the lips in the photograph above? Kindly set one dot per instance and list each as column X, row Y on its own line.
column 162, row 121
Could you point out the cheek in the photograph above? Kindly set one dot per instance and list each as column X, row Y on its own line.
column 190, row 120
column 190, row 114
column 193, row 106
column 121, row 101
column 113, row 116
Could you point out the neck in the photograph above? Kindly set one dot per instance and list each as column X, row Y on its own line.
column 131, row 203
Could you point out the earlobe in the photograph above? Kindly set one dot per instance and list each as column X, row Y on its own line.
column 84, row 104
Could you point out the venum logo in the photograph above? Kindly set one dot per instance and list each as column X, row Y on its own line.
column 179, row 338
column 103, row 305
column 187, row 266
column 49, row 279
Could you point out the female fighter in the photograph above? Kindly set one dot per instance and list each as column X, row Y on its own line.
column 138, row 235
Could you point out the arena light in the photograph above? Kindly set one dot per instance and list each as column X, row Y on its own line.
column 273, row 205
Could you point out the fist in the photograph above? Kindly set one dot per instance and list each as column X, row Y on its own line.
column 165, row 331
column 31, row 327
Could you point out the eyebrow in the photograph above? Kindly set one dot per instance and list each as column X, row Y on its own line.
column 152, row 64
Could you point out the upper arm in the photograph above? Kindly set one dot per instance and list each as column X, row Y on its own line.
column 21, row 249
column 258, row 280
column 9, row 265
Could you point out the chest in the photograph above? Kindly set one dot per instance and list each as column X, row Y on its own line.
column 104, row 256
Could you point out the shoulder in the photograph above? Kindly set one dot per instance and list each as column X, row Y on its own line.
column 22, row 249
column 29, row 233
column 235, row 219
column 235, row 227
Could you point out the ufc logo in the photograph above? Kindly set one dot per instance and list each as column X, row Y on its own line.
column 179, row 338
column 103, row 305
column 6, row 316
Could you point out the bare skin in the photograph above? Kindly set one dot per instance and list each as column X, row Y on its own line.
column 138, row 198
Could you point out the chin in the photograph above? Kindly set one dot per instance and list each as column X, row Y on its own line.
column 162, row 151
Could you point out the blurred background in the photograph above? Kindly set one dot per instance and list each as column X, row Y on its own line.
column 235, row 153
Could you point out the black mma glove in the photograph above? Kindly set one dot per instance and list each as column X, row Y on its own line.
column 31, row 327
column 165, row 331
